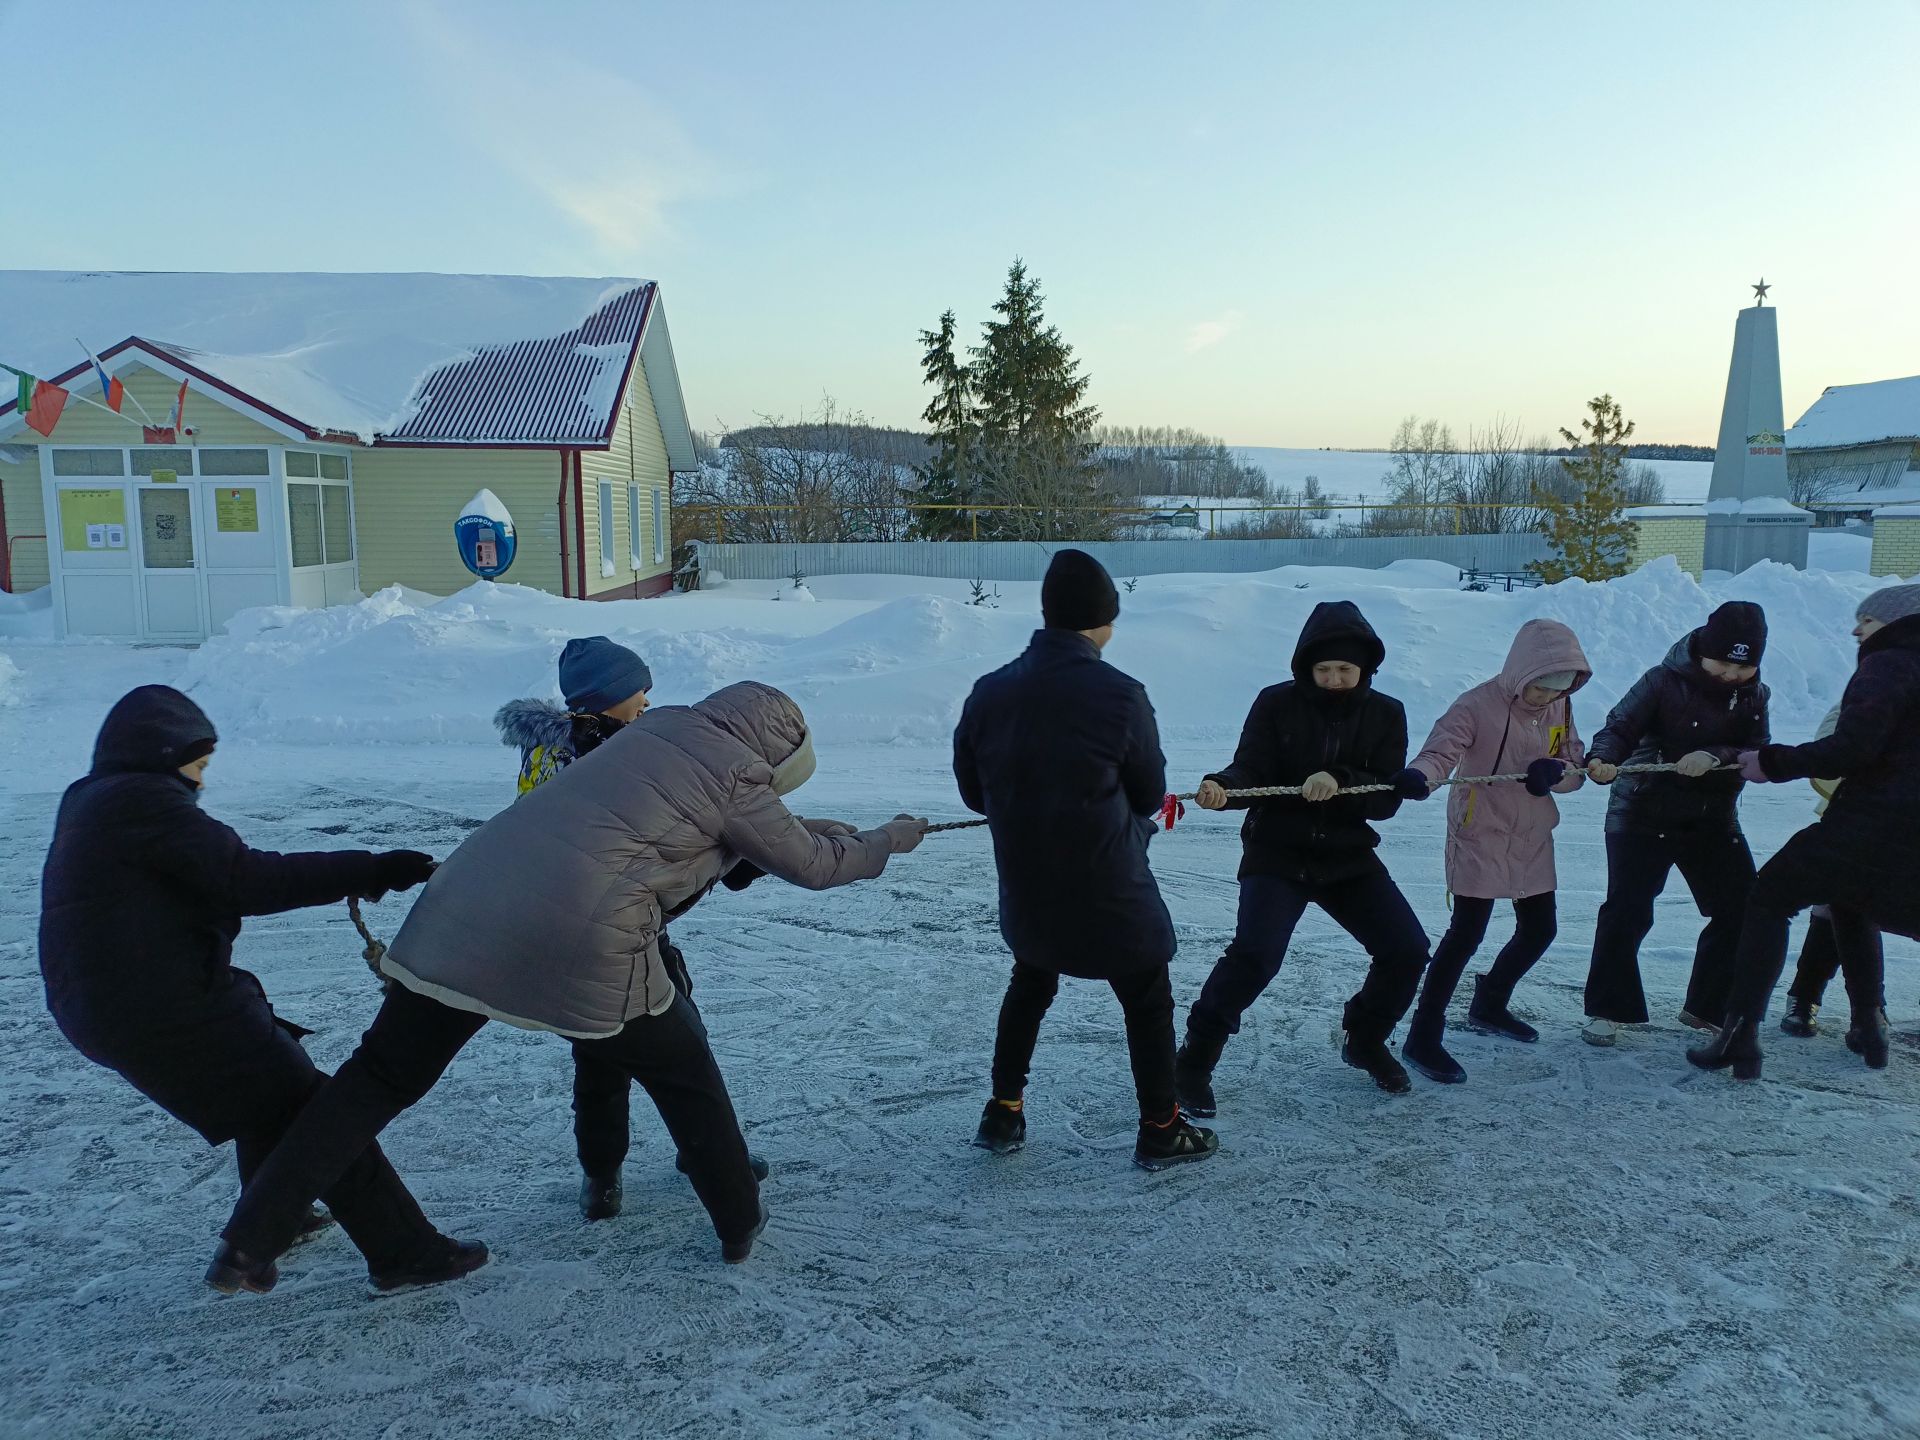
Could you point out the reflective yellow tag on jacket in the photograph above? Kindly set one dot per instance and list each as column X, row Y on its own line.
column 1556, row 737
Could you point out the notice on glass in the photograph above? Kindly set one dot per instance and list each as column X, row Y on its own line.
column 89, row 519
column 238, row 511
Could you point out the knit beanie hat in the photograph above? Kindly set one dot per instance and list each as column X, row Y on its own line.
column 1896, row 602
column 1078, row 594
column 1735, row 633
column 597, row 674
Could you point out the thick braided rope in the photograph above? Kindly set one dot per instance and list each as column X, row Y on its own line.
column 1266, row 792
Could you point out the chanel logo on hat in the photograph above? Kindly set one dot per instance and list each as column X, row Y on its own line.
column 1738, row 652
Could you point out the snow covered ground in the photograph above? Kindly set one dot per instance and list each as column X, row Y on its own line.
column 1577, row 1241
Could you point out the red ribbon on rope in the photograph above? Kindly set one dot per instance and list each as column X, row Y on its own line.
column 1172, row 809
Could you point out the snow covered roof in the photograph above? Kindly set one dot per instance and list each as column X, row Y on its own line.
column 389, row 359
column 1860, row 415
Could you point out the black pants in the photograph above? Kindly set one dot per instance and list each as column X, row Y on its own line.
column 1810, row 870
column 408, row 1047
column 1146, row 1000
column 1718, row 869
column 1864, row 963
column 602, row 1127
column 1535, row 923
column 1368, row 907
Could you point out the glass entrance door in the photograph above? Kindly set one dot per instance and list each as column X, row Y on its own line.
column 169, row 579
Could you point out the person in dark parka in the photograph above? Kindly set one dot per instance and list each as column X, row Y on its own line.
column 1859, row 858
column 1327, row 730
column 141, row 900
column 1699, row 707
column 1060, row 752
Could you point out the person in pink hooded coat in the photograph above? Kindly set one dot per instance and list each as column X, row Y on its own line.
column 1499, row 837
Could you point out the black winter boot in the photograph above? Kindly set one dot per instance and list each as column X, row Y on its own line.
column 317, row 1223
column 233, row 1271
column 1193, row 1066
column 1424, row 1052
column 1489, row 1014
column 1175, row 1143
column 445, row 1259
column 1870, row 1037
column 1737, row 1045
column 1371, row 1055
column 735, row 1252
column 601, row 1196
column 759, row 1167
column 1799, row 1021
column 1003, row 1127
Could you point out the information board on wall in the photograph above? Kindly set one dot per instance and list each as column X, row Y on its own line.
column 93, row 520
column 237, row 511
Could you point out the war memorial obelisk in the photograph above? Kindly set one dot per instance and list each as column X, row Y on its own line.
column 1749, row 515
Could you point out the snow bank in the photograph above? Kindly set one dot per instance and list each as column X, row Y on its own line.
column 28, row 616
column 895, row 664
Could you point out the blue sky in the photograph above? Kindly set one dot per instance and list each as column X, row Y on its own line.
column 1286, row 225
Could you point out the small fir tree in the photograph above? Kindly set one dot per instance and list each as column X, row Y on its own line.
column 947, row 478
column 1588, row 530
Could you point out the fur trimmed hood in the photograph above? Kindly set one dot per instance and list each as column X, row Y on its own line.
column 530, row 724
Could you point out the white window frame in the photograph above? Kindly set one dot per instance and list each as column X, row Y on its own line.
column 606, row 529
column 659, row 526
column 634, row 550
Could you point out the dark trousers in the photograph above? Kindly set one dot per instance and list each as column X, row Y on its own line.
column 1718, row 869
column 1808, row 870
column 1146, row 1000
column 1535, row 923
column 1369, row 907
column 408, row 1047
column 602, row 1127
column 1864, row 962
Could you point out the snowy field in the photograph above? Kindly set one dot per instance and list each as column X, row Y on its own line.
column 1576, row 1242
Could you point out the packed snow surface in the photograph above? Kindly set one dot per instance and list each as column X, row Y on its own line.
column 1575, row 1242
column 338, row 352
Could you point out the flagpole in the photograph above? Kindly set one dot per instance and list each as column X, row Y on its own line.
column 98, row 367
column 76, row 395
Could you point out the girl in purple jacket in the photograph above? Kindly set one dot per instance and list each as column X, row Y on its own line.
column 1499, row 837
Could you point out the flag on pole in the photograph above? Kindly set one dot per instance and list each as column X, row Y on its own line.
column 112, row 391
column 38, row 401
column 177, row 421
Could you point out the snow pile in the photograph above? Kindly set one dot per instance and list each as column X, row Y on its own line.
column 338, row 352
column 891, row 659
column 28, row 616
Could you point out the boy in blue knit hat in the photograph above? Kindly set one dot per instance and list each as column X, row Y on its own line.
column 605, row 686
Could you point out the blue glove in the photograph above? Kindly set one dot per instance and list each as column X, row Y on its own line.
column 1410, row 785
column 1544, row 774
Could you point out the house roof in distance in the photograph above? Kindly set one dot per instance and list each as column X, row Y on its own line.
column 396, row 359
column 1860, row 415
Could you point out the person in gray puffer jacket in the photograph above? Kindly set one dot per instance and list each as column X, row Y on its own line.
column 548, row 917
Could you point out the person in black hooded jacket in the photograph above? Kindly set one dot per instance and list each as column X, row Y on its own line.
column 1327, row 730
column 1699, row 707
column 1859, row 859
column 1060, row 752
column 142, row 898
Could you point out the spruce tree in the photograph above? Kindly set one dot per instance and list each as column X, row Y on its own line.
column 1035, row 444
column 1588, row 530
column 948, row 477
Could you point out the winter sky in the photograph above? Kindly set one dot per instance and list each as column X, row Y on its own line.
column 1283, row 224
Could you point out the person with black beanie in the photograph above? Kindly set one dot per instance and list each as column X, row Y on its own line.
column 1327, row 730
column 141, row 901
column 1059, row 750
column 1697, row 709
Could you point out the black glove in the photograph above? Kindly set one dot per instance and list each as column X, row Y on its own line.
column 1410, row 785
column 1545, row 773
column 742, row 875
column 399, row 870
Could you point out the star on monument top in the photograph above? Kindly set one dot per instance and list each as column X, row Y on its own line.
column 1760, row 291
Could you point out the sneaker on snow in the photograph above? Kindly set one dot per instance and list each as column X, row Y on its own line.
column 1799, row 1020
column 1694, row 1022
column 1489, row 1015
column 601, row 1196
column 1003, row 1128
column 1373, row 1057
column 445, row 1259
column 317, row 1223
column 734, row 1252
column 233, row 1271
column 1601, row 1032
column 1193, row 1083
column 1869, row 1037
column 1175, row 1143
column 1426, row 1054
column 759, row 1167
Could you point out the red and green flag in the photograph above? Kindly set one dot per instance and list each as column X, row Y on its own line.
column 38, row 401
